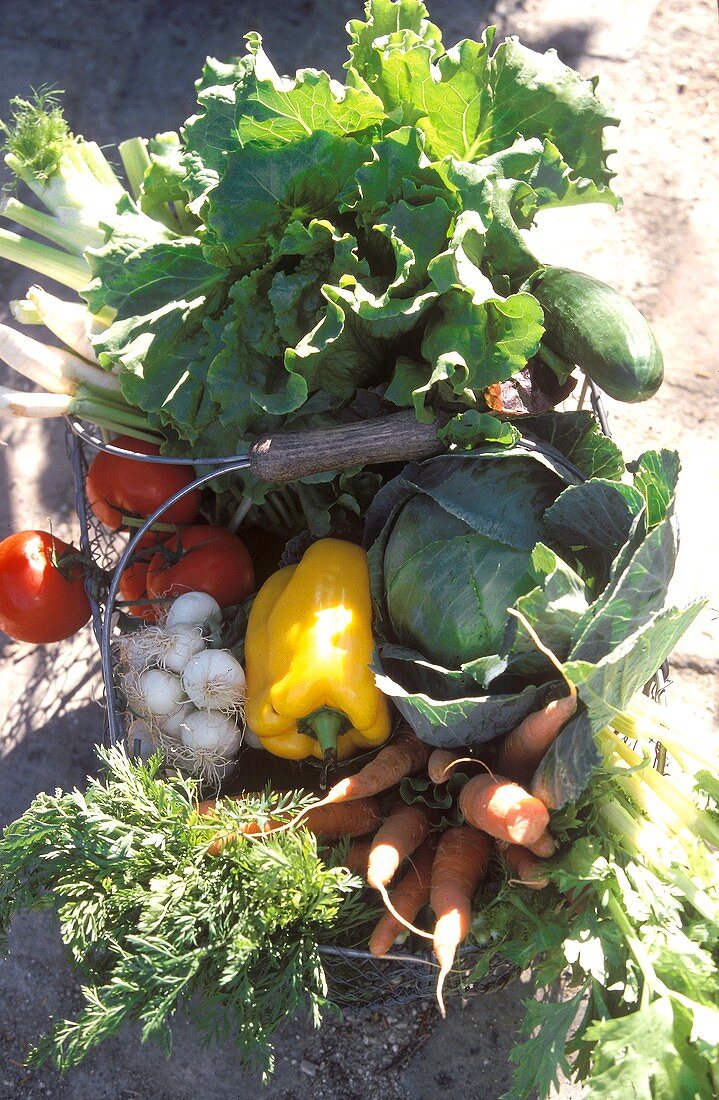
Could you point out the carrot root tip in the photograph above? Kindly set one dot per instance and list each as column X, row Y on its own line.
column 398, row 916
column 440, row 989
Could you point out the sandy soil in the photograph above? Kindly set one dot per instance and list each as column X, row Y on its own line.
column 128, row 69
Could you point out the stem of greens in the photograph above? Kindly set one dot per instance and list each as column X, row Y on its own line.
column 239, row 514
column 135, row 159
column 72, row 271
column 671, row 796
column 99, row 165
column 652, row 984
column 73, row 238
column 638, row 835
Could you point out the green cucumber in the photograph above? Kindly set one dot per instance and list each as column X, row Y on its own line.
column 593, row 326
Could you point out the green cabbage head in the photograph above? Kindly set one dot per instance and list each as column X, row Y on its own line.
column 452, row 566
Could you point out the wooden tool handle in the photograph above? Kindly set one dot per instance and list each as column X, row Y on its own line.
column 395, row 438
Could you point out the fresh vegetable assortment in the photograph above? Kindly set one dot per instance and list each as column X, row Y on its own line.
column 458, row 645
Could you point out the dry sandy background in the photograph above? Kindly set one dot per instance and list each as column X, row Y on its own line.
column 128, row 69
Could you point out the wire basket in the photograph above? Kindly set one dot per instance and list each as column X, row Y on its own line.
column 401, row 977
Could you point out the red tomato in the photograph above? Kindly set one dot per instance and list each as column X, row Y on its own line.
column 124, row 486
column 133, row 586
column 208, row 559
column 133, row 582
column 39, row 601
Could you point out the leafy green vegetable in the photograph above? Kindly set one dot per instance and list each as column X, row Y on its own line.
column 303, row 237
column 151, row 920
column 630, row 925
column 456, row 542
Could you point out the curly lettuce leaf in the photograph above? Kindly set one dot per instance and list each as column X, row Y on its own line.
column 537, row 95
column 471, row 103
column 263, row 190
column 275, row 112
column 465, row 430
column 398, row 169
column 335, row 238
column 384, row 19
column 457, row 108
column 473, row 344
column 209, row 135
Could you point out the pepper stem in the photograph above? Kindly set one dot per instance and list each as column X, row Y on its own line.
column 325, row 725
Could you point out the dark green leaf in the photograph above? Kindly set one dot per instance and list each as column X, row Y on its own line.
column 607, row 687
column 541, row 1059
column 567, row 767
column 437, row 796
column 469, row 721
column 597, row 514
column 500, row 493
column 580, row 439
column 655, row 476
column 263, row 190
column 632, row 598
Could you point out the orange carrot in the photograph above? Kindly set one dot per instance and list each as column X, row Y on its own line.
column 544, row 846
column 402, row 832
column 439, row 765
column 409, row 896
column 357, row 857
column 522, row 750
column 503, row 809
column 461, row 862
column 405, row 755
column 328, row 822
column 333, row 822
column 525, row 866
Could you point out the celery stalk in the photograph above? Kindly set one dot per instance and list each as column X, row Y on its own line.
column 74, row 238
column 135, row 159
column 69, row 270
column 100, row 167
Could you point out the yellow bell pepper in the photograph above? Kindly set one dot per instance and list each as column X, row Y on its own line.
column 308, row 647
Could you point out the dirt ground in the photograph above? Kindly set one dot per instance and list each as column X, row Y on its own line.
column 128, row 69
